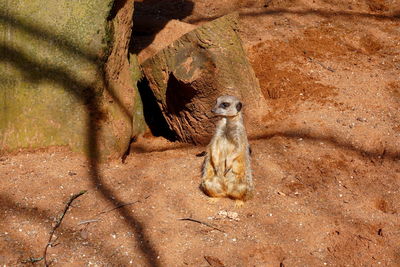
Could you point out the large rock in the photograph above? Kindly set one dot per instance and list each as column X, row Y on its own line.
column 187, row 76
column 171, row 31
column 64, row 75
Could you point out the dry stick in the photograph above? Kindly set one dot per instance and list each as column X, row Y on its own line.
column 32, row 260
column 58, row 223
column 117, row 207
column 88, row 221
column 321, row 64
column 120, row 206
column 105, row 211
column 200, row 222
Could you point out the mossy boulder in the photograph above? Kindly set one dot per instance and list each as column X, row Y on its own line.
column 62, row 83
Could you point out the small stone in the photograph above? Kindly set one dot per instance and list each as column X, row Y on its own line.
column 233, row 215
column 223, row 213
column 84, row 234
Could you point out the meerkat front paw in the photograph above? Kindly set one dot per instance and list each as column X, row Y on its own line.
column 239, row 203
column 212, row 200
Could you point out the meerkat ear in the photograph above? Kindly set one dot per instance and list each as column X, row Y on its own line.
column 239, row 106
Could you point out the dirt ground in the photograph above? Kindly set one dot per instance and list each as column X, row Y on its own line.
column 326, row 169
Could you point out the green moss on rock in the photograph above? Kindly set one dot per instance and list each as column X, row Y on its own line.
column 51, row 79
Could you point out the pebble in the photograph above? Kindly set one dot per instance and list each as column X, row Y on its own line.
column 229, row 214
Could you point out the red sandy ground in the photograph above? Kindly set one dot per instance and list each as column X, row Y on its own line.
column 327, row 169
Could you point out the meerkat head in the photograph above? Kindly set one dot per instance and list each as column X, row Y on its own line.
column 227, row 106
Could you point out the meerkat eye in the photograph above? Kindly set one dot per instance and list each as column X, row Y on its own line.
column 239, row 106
column 224, row 105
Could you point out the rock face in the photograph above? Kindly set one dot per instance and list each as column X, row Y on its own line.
column 187, row 76
column 171, row 31
column 64, row 75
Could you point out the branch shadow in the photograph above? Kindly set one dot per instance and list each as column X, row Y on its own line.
column 322, row 13
column 151, row 16
column 40, row 216
column 296, row 134
column 85, row 93
column 317, row 191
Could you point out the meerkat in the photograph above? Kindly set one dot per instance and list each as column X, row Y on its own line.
column 226, row 168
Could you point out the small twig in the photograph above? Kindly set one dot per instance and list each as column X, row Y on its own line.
column 32, row 260
column 321, row 64
column 213, row 261
column 88, row 221
column 318, row 62
column 117, row 207
column 120, row 206
column 58, row 223
column 362, row 237
column 200, row 222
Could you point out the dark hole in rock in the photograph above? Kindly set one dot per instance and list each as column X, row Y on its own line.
column 117, row 5
column 152, row 112
column 178, row 95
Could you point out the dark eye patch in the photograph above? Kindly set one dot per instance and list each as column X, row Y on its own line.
column 239, row 106
column 224, row 105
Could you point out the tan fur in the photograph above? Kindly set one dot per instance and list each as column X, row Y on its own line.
column 226, row 167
